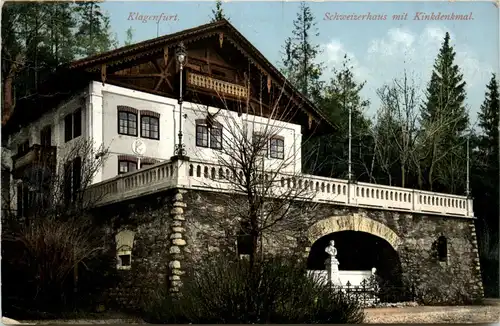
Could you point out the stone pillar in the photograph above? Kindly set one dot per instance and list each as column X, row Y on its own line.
column 332, row 264
column 478, row 283
column 177, row 242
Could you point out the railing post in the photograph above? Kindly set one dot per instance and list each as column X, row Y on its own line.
column 181, row 170
column 351, row 193
column 414, row 196
column 120, row 187
column 469, row 207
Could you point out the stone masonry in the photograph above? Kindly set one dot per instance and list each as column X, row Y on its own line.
column 181, row 228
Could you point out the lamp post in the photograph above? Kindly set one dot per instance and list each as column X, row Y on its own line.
column 180, row 55
column 349, row 164
column 467, row 185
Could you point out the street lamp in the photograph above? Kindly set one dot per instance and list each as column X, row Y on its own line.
column 180, row 55
column 467, row 182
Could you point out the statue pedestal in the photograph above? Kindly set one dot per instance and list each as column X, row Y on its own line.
column 332, row 266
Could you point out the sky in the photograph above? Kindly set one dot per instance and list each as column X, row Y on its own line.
column 379, row 50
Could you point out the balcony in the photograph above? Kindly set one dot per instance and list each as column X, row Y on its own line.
column 37, row 154
column 220, row 87
column 198, row 174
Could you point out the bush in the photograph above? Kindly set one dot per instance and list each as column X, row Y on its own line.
column 273, row 291
column 38, row 264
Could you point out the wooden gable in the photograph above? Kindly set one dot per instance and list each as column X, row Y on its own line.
column 222, row 69
column 215, row 74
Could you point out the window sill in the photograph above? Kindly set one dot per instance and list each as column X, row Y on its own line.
column 123, row 268
column 245, row 257
column 121, row 134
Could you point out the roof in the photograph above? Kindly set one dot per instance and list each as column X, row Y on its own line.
column 194, row 33
column 78, row 67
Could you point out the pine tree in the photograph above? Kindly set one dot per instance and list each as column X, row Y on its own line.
column 289, row 69
column 37, row 37
column 44, row 38
column 300, row 54
column 485, row 185
column 444, row 116
column 61, row 40
column 13, row 58
column 488, row 121
column 342, row 93
column 487, row 157
column 446, row 91
column 94, row 30
column 130, row 36
column 218, row 12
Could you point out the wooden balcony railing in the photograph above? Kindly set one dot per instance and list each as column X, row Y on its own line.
column 205, row 175
column 218, row 86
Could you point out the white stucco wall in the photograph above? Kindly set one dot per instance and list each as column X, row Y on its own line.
column 168, row 108
column 54, row 119
column 100, row 123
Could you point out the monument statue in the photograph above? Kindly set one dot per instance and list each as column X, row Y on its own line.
column 331, row 250
column 332, row 264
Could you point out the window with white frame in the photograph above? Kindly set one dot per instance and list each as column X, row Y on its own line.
column 124, row 244
column 126, row 164
column 127, row 120
column 73, row 125
column 201, row 135
column 208, row 136
column 216, row 137
column 260, row 144
column 277, row 148
column 150, row 125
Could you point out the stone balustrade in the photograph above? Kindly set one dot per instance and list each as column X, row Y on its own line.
column 197, row 174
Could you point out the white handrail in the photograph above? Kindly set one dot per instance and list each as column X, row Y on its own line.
column 203, row 174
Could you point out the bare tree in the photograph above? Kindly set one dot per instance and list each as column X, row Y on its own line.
column 57, row 185
column 397, row 125
column 261, row 188
column 384, row 147
column 57, row 234
column 405, row 144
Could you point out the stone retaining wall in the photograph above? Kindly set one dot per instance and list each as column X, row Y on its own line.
column 178, row 229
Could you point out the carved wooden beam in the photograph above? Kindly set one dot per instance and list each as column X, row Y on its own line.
column 221, row 39
column 167, row 62
column 132, row 76
column 103, row 73
column 165, row 56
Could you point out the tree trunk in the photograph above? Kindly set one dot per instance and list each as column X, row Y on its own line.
column 8, row 89
column 403, row 174
column 7, row 99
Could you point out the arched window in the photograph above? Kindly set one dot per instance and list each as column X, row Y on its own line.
column 442, row 248
column 124, row 243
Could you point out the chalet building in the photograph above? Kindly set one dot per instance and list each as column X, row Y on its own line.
column 135, row 101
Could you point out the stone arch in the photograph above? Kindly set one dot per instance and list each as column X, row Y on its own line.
column 354, row 222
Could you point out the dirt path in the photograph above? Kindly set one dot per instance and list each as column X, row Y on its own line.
column 488, row 313
column 458, row 314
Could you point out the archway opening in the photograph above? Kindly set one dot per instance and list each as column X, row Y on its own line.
column 361, row 251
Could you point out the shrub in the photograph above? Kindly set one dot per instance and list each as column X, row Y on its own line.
column 39, row 261
column 273, row 291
